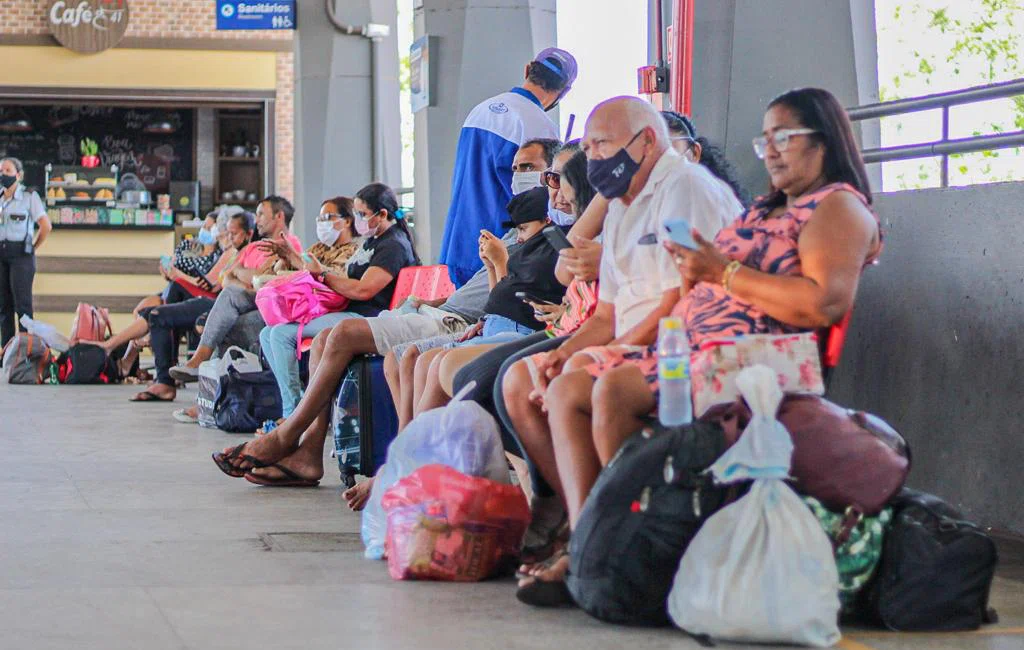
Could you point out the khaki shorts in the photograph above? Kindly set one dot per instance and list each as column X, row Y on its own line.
column 391, row 328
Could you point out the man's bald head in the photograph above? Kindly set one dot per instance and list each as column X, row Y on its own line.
column 623, row 117
column 630, row 124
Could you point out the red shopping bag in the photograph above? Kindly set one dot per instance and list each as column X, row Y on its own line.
column 445, row 525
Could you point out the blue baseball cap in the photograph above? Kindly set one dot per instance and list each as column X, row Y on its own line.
column 560, row 62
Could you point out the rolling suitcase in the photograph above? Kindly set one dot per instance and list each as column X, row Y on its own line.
column 364, row 421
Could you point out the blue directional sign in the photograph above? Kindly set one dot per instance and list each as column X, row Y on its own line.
column 255, row 14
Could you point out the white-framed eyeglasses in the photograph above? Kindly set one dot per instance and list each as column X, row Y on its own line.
column 779, row 139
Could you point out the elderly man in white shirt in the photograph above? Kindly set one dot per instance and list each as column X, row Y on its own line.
column 632, row 164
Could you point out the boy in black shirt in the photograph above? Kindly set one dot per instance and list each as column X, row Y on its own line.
column 530, row 268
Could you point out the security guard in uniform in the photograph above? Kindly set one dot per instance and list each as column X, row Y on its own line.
column 20, row 210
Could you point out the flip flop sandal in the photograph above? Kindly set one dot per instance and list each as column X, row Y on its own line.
column 543, row 593
column 543, row 565
column 290, row 479
column 541, row 552
column 223, row 461
column 149, row 397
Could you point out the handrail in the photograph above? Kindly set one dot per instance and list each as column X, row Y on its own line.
column 938, row 100
column 945, row 146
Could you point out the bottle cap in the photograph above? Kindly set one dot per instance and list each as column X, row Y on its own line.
column 671, row 323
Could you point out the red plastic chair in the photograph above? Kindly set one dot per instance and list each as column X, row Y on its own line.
column 832, row 341
column 425, row 282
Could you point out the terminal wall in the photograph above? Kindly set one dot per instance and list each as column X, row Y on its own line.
column 935, row 347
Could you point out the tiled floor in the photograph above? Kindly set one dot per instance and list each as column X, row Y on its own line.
column 117, row 531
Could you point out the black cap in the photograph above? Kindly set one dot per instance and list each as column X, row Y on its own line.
column 531, row 205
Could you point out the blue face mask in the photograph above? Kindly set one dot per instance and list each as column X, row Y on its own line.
column 612, row 176
column 560, row 218
column 206, row 238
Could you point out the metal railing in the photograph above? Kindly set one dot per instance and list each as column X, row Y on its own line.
column 943, row 147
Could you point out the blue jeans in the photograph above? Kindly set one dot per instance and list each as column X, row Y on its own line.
column 497, row 331
column 280, row 347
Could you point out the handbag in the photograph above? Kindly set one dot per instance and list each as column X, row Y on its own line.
column 851, row 461
column 297, row 298
column 91, row 324
column 795, row 358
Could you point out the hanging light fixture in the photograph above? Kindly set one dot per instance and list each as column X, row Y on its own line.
column 161, row 123
column 16, row 122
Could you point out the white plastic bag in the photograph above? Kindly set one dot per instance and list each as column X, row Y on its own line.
column 47, row 332
column 760, row 570
column 461, row 435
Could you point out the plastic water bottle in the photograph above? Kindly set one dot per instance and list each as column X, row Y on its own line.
column 675, row 406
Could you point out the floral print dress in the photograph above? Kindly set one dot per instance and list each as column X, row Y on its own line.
column 708, row 311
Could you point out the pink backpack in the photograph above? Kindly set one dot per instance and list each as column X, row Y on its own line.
column 91, row 324
column 297, row 298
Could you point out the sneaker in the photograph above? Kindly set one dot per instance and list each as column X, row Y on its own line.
column 185, row 374
column 182, row 415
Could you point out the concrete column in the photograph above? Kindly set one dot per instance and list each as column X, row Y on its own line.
column 749, row 51
column 482, row 48
column 335, row 87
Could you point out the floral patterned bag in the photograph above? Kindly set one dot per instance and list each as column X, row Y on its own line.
column 714, row 366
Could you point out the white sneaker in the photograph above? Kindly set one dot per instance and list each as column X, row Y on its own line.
column 185, row 374
column 181, row 415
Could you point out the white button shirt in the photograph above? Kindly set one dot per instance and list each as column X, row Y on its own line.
column 635, row 267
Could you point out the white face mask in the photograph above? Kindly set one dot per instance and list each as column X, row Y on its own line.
column 523, row 181
column 327, row 233
column 560, row 218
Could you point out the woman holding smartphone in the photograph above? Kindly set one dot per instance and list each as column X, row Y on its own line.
column 21, row 210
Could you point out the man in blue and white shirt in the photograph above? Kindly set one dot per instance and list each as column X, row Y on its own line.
column 490, row 137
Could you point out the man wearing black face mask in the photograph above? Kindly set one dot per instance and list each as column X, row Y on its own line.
column 21, row 210
column 631, row 163
column 490, row 137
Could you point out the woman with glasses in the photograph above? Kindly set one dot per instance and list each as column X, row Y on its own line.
column 21, row 210
column 792, row 263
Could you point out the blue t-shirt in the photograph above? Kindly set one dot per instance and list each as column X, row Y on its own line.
column 482, row 179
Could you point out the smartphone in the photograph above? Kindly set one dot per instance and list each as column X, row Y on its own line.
column 165, row 261
column 679, row 232
column 526, row 297
column 556, row 238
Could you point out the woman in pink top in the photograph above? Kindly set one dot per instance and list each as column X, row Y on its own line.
column 792, row 263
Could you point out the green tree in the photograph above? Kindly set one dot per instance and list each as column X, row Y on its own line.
column 943, row 45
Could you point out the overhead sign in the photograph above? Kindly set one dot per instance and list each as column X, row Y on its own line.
column 255, row 14
column 88, row 26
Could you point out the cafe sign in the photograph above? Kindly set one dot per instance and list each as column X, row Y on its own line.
column 88, row 26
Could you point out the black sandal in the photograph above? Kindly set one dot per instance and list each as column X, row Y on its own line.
column 223, row 461
column 546, row 593
column 541, row 593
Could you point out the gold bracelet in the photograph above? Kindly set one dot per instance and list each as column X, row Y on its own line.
column 729, row 273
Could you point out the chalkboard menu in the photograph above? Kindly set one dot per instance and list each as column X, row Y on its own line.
column 156, row 158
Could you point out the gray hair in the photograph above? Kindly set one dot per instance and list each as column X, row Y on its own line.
column 223, row 213
column 14, row 161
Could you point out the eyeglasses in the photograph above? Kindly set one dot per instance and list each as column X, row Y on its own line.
column 779, row 140
column 551, row 179
column 329, row 216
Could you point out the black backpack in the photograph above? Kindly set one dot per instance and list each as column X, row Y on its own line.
column 936, row 569
column 246, row 400
column 84, row 363
column 644, row 509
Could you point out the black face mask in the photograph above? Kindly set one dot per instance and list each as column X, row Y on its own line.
column 7, row 181
column 612, row 176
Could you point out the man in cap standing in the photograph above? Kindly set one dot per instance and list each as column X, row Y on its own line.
column 490, row 136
